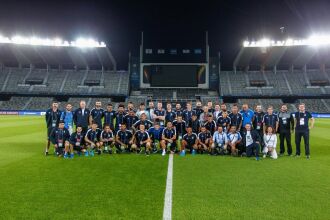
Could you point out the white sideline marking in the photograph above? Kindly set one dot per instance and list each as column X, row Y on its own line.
column 167, row 213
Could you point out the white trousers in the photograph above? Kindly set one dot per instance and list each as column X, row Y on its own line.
column 273, row 153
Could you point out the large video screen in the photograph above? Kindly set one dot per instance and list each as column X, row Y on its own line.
column 174, row 75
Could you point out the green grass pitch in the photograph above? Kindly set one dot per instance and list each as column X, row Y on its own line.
column 33, row 186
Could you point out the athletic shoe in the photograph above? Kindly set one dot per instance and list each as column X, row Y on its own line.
column 91, row 153
column 264, row 156
column 297, row 156
column 257, row 158
column 71, row 156
column 163, row 153
column 66, row 156
column 86, row 153
column 308, row 157
column 193, row 152
column 183, row 153
column 281, row 154
column 46, row 153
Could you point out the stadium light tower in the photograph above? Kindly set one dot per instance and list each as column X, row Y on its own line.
column 56, row 42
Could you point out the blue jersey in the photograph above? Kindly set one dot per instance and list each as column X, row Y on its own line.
column 155, row 134
column 67, row 117
column 247, row 117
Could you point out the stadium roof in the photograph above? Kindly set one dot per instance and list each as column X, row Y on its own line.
column 298, row 53
column 82, row 53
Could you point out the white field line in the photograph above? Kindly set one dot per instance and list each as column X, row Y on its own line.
column 167, row 213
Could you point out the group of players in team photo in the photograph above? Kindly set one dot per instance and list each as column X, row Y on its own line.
column 210, row 129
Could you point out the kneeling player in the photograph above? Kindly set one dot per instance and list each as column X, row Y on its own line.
column 189, row 141
column 141, row 139
column 92, row 139
column 123, row 139
column 204, row 140
column 155, row 133
column 60, row 138
column 106, row 139
column 234, row 138
column 77, row 141
column 220, row 142
column 168, row 138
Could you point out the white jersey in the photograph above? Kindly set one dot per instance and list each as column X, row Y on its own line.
column 270, row 140
column 234, row 137
column 220, row 138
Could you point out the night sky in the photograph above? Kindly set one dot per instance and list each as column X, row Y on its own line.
column 119, row 23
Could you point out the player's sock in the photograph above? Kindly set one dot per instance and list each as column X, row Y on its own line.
column 71, row 155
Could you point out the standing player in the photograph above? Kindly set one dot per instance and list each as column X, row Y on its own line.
column 97, row 113
column 151, row 110
column 159, row 114
column 106, row 139
column 130, row 119
column 77, row 141
column 194, row 123
column 210, row 124
column 123, row 139
column 120, row 114
column 220, row 142
column 189, row 141
column 285, row 127
column 141, row 139
column 198, row 110
column 204, row 115
column 235, row 117
column 52, row 117
column 109, row 116
column 168, row 138
column 92, row 139
column 204, row 140
column 81, row 116
column 60, row 138
column 224, row 121
column 142, row 109
column 302, row 119
column 187, row 114
column 210, row 107
column 178, row 110
column 180, row 127
column 224, row 108
column 270, row 119
column 67, row 117
column 169, row 114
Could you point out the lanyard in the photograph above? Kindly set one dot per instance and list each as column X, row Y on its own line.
column 267, row 141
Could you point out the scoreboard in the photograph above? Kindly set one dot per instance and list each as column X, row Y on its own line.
column 174, row 61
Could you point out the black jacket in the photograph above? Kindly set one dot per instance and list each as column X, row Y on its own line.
column 255, row 137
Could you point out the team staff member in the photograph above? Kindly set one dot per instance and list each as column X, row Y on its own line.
column 97, row 113
column 285, row 127
column 302, row 119
column 270, row 119
column 109, row 116
column 257, row 120
column 67, row 117
column 247, row 115
column 189, row 141
column 60, row 138
column 52, row 117
column 235, row 117
column 81, row 116
column 251, row 141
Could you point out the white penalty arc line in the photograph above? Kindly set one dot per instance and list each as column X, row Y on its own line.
column 167, row 213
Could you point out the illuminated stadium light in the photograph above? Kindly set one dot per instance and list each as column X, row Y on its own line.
column 314, row 40
column 57, row 42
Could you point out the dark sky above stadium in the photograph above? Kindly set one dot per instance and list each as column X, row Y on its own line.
column 119, row 23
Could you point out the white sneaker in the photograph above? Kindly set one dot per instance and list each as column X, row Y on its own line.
column 264, row 156
column 164, row 153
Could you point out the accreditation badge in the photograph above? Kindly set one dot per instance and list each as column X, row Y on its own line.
column 302, row 121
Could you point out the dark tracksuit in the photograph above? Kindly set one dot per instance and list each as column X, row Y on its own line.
column 77, row 140
column 52, row 120
column 97, row 115
column 286, row 124
column 81, row 119
column 109, row 118
column 257, row 123
column 59, row 137
column 302, row 130
column 252, row 147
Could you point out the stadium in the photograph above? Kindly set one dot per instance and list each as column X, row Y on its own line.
column 176, row 130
